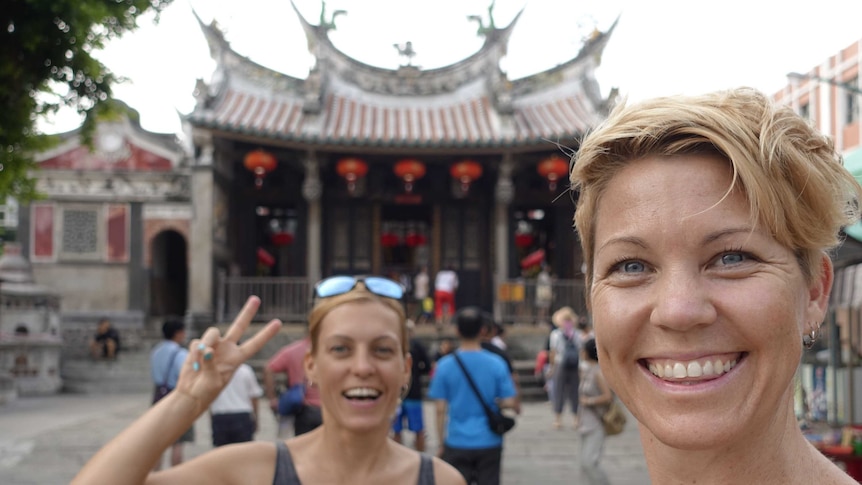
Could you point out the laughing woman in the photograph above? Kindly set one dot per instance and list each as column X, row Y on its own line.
column 706, row 224
column 359, row 360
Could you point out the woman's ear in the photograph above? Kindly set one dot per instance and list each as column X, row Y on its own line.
column 310, row 367
column 819, row 290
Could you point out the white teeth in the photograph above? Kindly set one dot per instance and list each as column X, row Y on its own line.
column 694, row 369
column 682, row 370
column 362, row 392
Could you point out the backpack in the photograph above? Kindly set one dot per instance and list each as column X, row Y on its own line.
column 571, row 354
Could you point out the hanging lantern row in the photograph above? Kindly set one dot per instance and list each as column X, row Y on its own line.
column 259, row 162
column 409, row 170
column 553, row 168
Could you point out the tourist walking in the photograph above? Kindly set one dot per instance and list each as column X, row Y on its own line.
column 234, row 413
column 166, row 361
column 595, row 397
column 467, row 441
column 565, row 348
column 410, row 409
column 445, row 285
column 290, row 361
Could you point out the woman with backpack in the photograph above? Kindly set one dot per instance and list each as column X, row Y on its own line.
column 565, row 344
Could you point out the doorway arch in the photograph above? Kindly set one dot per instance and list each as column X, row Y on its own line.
column 169, row 274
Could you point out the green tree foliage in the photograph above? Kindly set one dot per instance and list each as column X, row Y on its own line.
column 46, row 62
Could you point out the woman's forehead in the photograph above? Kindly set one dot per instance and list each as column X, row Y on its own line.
column 361, row 318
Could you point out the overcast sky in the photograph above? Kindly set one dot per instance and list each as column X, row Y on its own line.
column 659, row 47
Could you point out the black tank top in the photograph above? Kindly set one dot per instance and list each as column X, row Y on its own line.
column 285, row 473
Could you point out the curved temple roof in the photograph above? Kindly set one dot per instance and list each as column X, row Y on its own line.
column 343, row 101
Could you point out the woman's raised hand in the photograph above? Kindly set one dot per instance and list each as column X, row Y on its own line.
column 213, row 358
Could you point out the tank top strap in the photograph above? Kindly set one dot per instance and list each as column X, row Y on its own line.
column 285, row 473
column 426, row 470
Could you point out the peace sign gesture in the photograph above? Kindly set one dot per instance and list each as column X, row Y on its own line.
column 213, row 358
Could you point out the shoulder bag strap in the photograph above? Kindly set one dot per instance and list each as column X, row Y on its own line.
column 472, row 384
column 170, row 366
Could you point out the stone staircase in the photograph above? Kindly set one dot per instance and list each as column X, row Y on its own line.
column 130, row 372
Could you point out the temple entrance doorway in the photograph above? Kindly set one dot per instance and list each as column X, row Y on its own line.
column 169, row 275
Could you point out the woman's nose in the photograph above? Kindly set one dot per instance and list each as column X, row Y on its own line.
column 682, row 300
column 362, row 364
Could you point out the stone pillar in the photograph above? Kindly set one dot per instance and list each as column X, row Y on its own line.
column 312, row 189
column 504, row 194
column 200, row 245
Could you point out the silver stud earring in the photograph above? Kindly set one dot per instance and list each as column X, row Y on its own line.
column 809, row 339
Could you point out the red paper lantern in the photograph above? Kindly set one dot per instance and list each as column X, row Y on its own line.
column 466, row 171
column 413, row 239
column 388, row 240
column 533, row 259
column 281, row 238
column 351, row 169
column 523, row 240
column 409, row 170
column 264, row 258
column 553, row 168
column 259, row 162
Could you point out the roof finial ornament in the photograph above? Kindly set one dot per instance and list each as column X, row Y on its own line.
column 482, row 30
column 406, row 50
column 330, row 24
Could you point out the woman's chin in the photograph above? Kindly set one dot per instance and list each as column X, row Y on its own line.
column 690, row 433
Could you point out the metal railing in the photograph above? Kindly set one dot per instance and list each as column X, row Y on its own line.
column 284, row 298
column 289, row 298
column 518, row 303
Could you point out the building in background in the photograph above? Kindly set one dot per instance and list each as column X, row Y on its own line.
column 360, row 169
column 111, row 235
column 829, row 95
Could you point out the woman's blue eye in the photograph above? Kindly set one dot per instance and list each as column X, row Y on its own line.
column 632, row 267
column 732, row 258
column 385, row 350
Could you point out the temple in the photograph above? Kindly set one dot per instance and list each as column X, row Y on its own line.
column 361, row 169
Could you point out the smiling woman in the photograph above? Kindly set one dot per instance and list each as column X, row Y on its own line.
column 705, row 224
column 358, row 360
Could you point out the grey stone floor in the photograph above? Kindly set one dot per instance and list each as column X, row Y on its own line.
column 46, row 440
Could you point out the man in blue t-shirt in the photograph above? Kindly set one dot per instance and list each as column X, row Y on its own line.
column 166, row 361
column 468, row 443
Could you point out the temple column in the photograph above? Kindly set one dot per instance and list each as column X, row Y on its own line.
column 201, row 287
column 312, row 189
column 504, row 194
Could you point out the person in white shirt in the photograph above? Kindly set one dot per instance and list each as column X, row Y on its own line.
column 445, row 284
column 234, row 413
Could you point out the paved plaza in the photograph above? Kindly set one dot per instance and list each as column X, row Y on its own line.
column 46, row 440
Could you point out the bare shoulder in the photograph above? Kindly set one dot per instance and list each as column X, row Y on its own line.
column 244, row 463
column 446, row 474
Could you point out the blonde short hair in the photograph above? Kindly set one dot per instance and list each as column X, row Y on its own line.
column 323, row 306
column 793, row 179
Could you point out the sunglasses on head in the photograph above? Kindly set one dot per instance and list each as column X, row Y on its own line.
column 339, row 285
